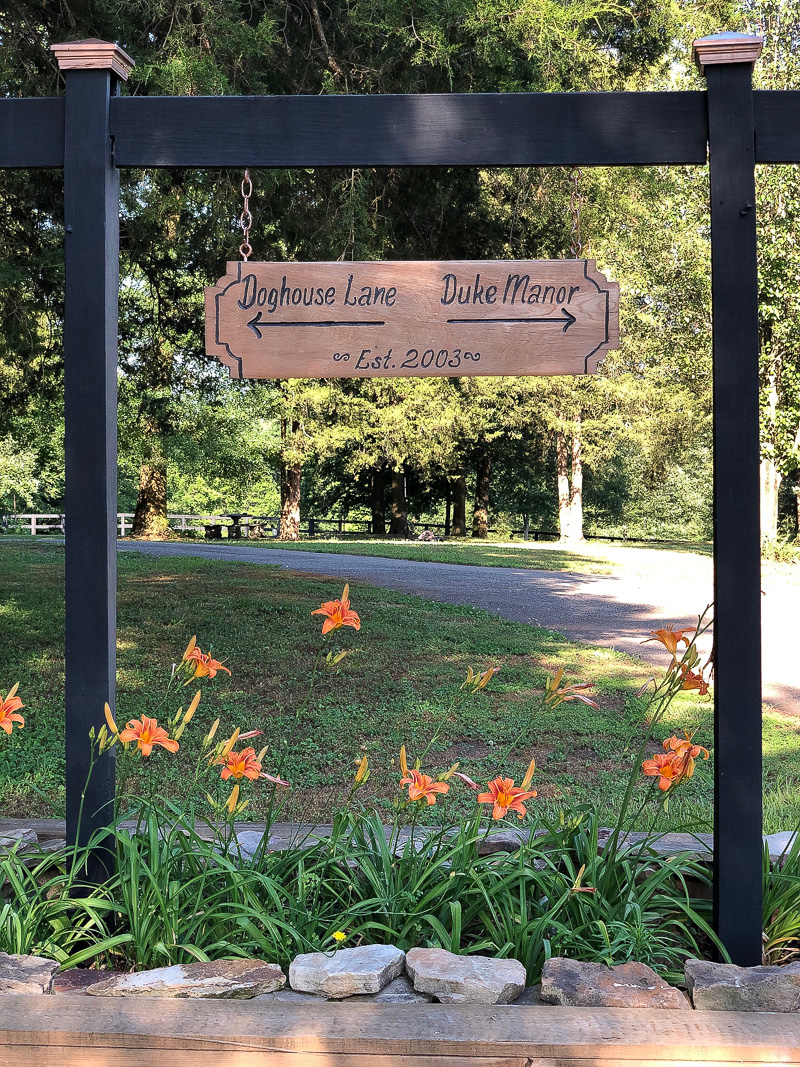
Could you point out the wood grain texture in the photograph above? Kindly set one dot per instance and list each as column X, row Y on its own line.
column 32, row 133
column 411, row 319
column 65, row 1056
column 776, row 115
column 91, row 288
column 737, row 521
column 449, row 129
column 425, row 1031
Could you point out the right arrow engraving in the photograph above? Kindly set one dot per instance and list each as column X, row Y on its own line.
column 567, row 320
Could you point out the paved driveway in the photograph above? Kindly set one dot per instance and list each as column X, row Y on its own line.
column 599, row 610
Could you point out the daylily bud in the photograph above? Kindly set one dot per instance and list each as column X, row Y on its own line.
column 189, row 649
column 403, row 761
column 486, row 677
column 226, row 748
column 467, row 780
column 526, row 781
column 192, row 708
column 233, row 799
column 449, row 774
column 262, row 754
column 212, row 731
column 363, row 770
column 109, row 717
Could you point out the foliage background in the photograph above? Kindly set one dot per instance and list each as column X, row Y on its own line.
column 645, row 422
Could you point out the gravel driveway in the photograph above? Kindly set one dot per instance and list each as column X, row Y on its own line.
column 616, row 612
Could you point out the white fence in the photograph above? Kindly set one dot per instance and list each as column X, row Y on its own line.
column 44, row 524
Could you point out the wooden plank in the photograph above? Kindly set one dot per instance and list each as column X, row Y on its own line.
column 737, row 521
column 448, row 129
column 32, row 133
column 613, row 1035
column 91, row 287
column 71, row 1056
column 777, row 125
column 411, row 319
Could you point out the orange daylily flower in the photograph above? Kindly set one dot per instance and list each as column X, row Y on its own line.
column 8, row 708
column 556, row 693
column 205, row 666
column 240, row 765
column 668, row 767
column 693, row 680
column 146, row 733
column 685, row 753
column 505, row 798
column 422, row 787
column 670, row 638
column 685, row 745
column 338, row 613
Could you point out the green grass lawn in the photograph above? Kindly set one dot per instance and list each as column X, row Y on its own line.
column 408, row 660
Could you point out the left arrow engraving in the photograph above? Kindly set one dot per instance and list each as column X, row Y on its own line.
column 257, row 324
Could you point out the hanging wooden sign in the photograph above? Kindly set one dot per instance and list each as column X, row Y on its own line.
column 411, row 319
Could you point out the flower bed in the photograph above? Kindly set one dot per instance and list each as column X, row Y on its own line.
column 566, row 888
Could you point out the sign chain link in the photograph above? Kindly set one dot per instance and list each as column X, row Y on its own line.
column 576, row 245
column 246, row 219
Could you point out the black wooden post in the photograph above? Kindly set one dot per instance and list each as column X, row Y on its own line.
column 727, row 60
column 91, row 219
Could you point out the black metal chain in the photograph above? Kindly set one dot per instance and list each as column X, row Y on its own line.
column 575, row 200
column 246, row 219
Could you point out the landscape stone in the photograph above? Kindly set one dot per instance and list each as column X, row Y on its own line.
column 288, row 995
column 399, row 991
column 26, row 974
column 347, row 972
column 570, row 983
column 18, row 841
column 531, row 996
column 77, row 980
column 726, row 987
column 779, row 845
column 239, row 979
column 248, row 843
column 456, row 979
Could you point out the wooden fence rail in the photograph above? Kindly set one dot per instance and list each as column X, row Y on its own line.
column 49, row 523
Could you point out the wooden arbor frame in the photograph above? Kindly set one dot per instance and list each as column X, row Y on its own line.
column 91, row 132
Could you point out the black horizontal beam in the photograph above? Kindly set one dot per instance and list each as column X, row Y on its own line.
column 474, row 129
column 32, row 132
column 777, row 122
column 518, row 129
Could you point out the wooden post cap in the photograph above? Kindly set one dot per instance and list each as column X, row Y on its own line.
column 726, row 48
column 93, row 55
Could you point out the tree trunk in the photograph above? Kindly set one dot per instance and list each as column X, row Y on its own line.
column 526, row 527
column 770, row 484
column 398, row 525
column 378, row 487
column 459, row 528
column 483, row 479
column 291, row 472
column 447, row 503
column 150, row 516
column 562, row 475
column 576, row 491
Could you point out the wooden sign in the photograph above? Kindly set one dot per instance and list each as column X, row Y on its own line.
column 404, row 319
